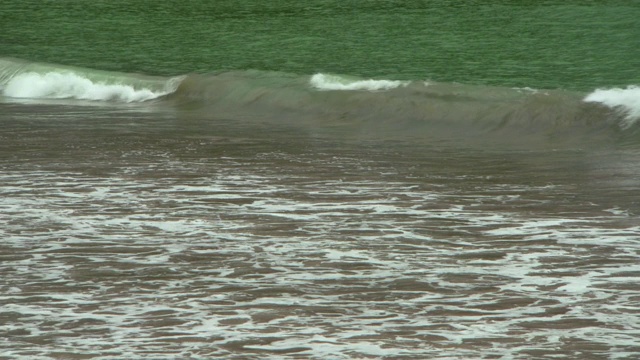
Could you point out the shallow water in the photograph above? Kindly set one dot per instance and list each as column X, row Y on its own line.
column 129, row 234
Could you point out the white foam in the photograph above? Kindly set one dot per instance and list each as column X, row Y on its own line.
column 334, row 82
column 69, row 85
column 238, row 261
column 628, row 100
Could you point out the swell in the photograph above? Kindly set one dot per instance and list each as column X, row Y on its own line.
column 376, row 106
column 411, row 108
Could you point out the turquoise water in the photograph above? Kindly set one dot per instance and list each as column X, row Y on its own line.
column 576, row 45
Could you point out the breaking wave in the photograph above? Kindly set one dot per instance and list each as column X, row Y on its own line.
column 24, row 80
column 334, row 82
column 415, row 107
column 56, row 85
column 626, row 100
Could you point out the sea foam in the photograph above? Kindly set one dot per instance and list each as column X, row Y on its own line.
column 334, row 82
column 627, row 100
column 69, row 85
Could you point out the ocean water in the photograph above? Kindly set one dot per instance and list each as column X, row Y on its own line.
column 319, row 179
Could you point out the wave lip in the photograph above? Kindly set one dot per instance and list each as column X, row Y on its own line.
column 333, row 82
column 59, row 85
column 27, row 80
column 626, row 100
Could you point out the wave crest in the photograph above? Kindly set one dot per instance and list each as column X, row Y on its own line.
column 28, row 80
column 58, row 85
column 626, row 100
column 376, row 107
column 334, row 82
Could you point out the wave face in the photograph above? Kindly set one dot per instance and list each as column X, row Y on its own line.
column 375, row 106
column 24, row 80
column 416, row 108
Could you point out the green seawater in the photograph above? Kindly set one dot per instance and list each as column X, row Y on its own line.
column 578, row 45
column 201, row 179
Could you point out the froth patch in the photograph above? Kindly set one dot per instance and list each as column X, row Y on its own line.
column 628, row 100
column 69, row 85
column 334, row 82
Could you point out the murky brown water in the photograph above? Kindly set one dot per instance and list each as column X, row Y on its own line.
column 128, row 234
